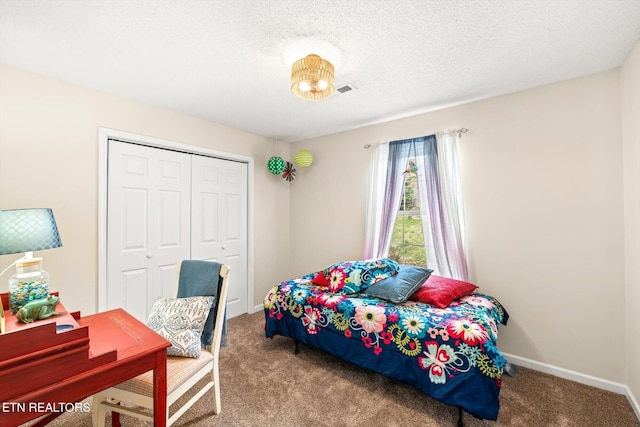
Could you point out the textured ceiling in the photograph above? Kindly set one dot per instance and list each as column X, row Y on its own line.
column 229, row 61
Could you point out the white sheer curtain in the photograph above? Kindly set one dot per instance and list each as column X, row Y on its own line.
column 377, row 177
column 386, row 181
column 426, row 173
column 443, row 193
column 440, row 195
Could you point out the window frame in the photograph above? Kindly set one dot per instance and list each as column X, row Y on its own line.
column 402, row 215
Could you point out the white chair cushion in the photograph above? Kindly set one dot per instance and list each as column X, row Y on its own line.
column 179, row 370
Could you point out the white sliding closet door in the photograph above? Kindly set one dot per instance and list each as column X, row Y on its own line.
column 164, row 206
column 219, row 222
column 148, row 224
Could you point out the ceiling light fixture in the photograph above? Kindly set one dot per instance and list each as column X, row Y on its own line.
column 312, row 78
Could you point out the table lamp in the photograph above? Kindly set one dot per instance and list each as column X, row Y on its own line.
column 27, row 230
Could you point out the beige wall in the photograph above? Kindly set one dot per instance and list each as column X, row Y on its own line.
column 542, row 185
column 631, row 165
column 49, row 158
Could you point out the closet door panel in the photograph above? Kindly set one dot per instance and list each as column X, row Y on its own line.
column 219, row 222
column 205, row 211
column 234, row 234
column 148, row 223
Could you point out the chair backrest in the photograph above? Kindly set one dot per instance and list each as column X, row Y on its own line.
column 221, row 304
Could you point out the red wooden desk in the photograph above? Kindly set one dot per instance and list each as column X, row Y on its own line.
column 119, row 347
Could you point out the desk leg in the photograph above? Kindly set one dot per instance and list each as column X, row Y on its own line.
column 160, row 389
column 115, row 419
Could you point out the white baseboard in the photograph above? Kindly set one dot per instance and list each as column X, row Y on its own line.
column 257, row 308
column 567, row 374
column 633, row 402
column 577, row 377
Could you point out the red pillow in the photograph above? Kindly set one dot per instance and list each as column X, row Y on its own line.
column 441, row 291
column 321, row 280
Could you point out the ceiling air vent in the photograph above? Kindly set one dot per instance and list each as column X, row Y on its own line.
column 346, row 88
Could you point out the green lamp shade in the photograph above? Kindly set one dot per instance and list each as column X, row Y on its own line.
column 27, row 230
column 276, row 165
column 303, row 158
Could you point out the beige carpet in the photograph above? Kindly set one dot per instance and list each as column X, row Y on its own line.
column 264, row 383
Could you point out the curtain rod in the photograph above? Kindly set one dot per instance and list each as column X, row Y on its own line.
column 458, row 131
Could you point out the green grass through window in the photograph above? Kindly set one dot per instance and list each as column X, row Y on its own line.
column 407, row 241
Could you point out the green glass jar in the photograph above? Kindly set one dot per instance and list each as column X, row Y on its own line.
column 30, row 282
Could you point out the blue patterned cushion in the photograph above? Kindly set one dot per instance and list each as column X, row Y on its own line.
column 354, row 276
column 400, row 287
column 180, row 321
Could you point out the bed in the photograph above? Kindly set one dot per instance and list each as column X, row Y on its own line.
column 375, row 314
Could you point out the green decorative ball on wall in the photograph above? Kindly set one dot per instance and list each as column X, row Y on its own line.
column 303, row 158
column 276, row 165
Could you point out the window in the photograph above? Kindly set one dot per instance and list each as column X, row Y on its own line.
column 399, row 192
column 407, row 240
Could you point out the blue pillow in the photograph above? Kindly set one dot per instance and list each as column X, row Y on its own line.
column 400, row 287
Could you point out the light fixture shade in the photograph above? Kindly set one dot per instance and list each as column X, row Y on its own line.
column 27, row 230
column 303, row 158
column 312, row 78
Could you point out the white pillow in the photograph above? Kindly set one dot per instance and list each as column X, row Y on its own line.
column 180, row 321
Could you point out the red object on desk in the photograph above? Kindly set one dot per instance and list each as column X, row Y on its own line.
column 40, row 367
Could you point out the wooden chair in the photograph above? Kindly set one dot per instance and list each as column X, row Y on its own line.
column 135, row 397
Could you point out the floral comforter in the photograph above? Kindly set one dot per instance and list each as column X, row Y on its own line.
column 449, row 354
